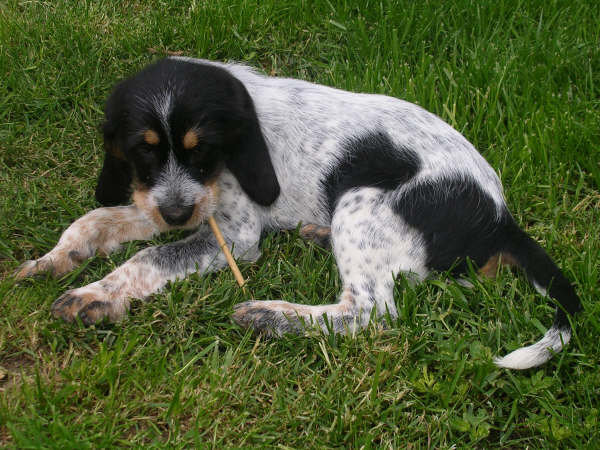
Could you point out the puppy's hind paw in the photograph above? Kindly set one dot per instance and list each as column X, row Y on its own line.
column 272, row 318
column 316, row 233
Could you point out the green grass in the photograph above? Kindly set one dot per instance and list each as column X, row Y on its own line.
column 519, row 78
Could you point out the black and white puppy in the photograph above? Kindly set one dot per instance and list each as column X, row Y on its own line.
column 392, row 187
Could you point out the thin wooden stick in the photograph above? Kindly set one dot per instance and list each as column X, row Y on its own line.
column 221, row 241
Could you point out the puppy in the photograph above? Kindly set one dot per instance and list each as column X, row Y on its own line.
column 389, row 185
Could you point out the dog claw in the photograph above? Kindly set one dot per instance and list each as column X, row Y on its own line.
column 65, row 306
column 94, row 312
column 30, row 269
column 69, row 306
column 55, row 263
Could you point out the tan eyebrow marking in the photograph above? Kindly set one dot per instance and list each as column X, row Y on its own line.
column 151, row 137
column 190, row 139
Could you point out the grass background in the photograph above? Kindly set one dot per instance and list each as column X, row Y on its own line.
column 519, row 78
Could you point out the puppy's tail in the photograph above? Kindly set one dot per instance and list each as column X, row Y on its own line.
column 547, row 279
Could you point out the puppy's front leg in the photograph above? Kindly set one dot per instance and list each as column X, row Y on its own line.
column 101, row 230
column 146, row 273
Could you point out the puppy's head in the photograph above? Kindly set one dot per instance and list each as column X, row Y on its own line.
column 170, row 130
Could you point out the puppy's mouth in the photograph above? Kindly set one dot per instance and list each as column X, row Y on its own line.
column 173, row 215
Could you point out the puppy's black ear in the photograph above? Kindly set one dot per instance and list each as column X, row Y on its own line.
column 114, row 182
column 249, row 160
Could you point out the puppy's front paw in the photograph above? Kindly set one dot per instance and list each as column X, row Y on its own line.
column 91, row 304
column 273, row 318
column 55, row 263
column 33, row 268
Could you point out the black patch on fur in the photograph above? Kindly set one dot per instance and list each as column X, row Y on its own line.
column 457, row 220
column 114, row 182
column 371, row 160
column 540, row 268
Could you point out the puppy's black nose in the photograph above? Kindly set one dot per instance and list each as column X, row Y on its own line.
column 176, row 215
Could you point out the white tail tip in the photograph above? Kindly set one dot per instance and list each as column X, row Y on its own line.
column 534, row 355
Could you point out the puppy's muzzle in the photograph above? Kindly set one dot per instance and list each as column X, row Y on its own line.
column 176, row 215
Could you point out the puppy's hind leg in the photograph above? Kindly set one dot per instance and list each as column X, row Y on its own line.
column 371, row 243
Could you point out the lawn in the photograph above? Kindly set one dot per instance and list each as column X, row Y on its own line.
column 520, row 79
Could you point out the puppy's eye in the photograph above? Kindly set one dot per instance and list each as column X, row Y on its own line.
column 147, row 150
column 199, row 151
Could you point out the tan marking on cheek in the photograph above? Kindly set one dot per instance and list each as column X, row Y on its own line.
column 114, row 150
column 142, row 201
column 198, row 214
column 490, row 268
column 204, row 204
column 190, row 139
column 151, row 137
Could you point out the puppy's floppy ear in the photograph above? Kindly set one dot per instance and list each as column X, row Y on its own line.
column 249, row 159
column 114, row 182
